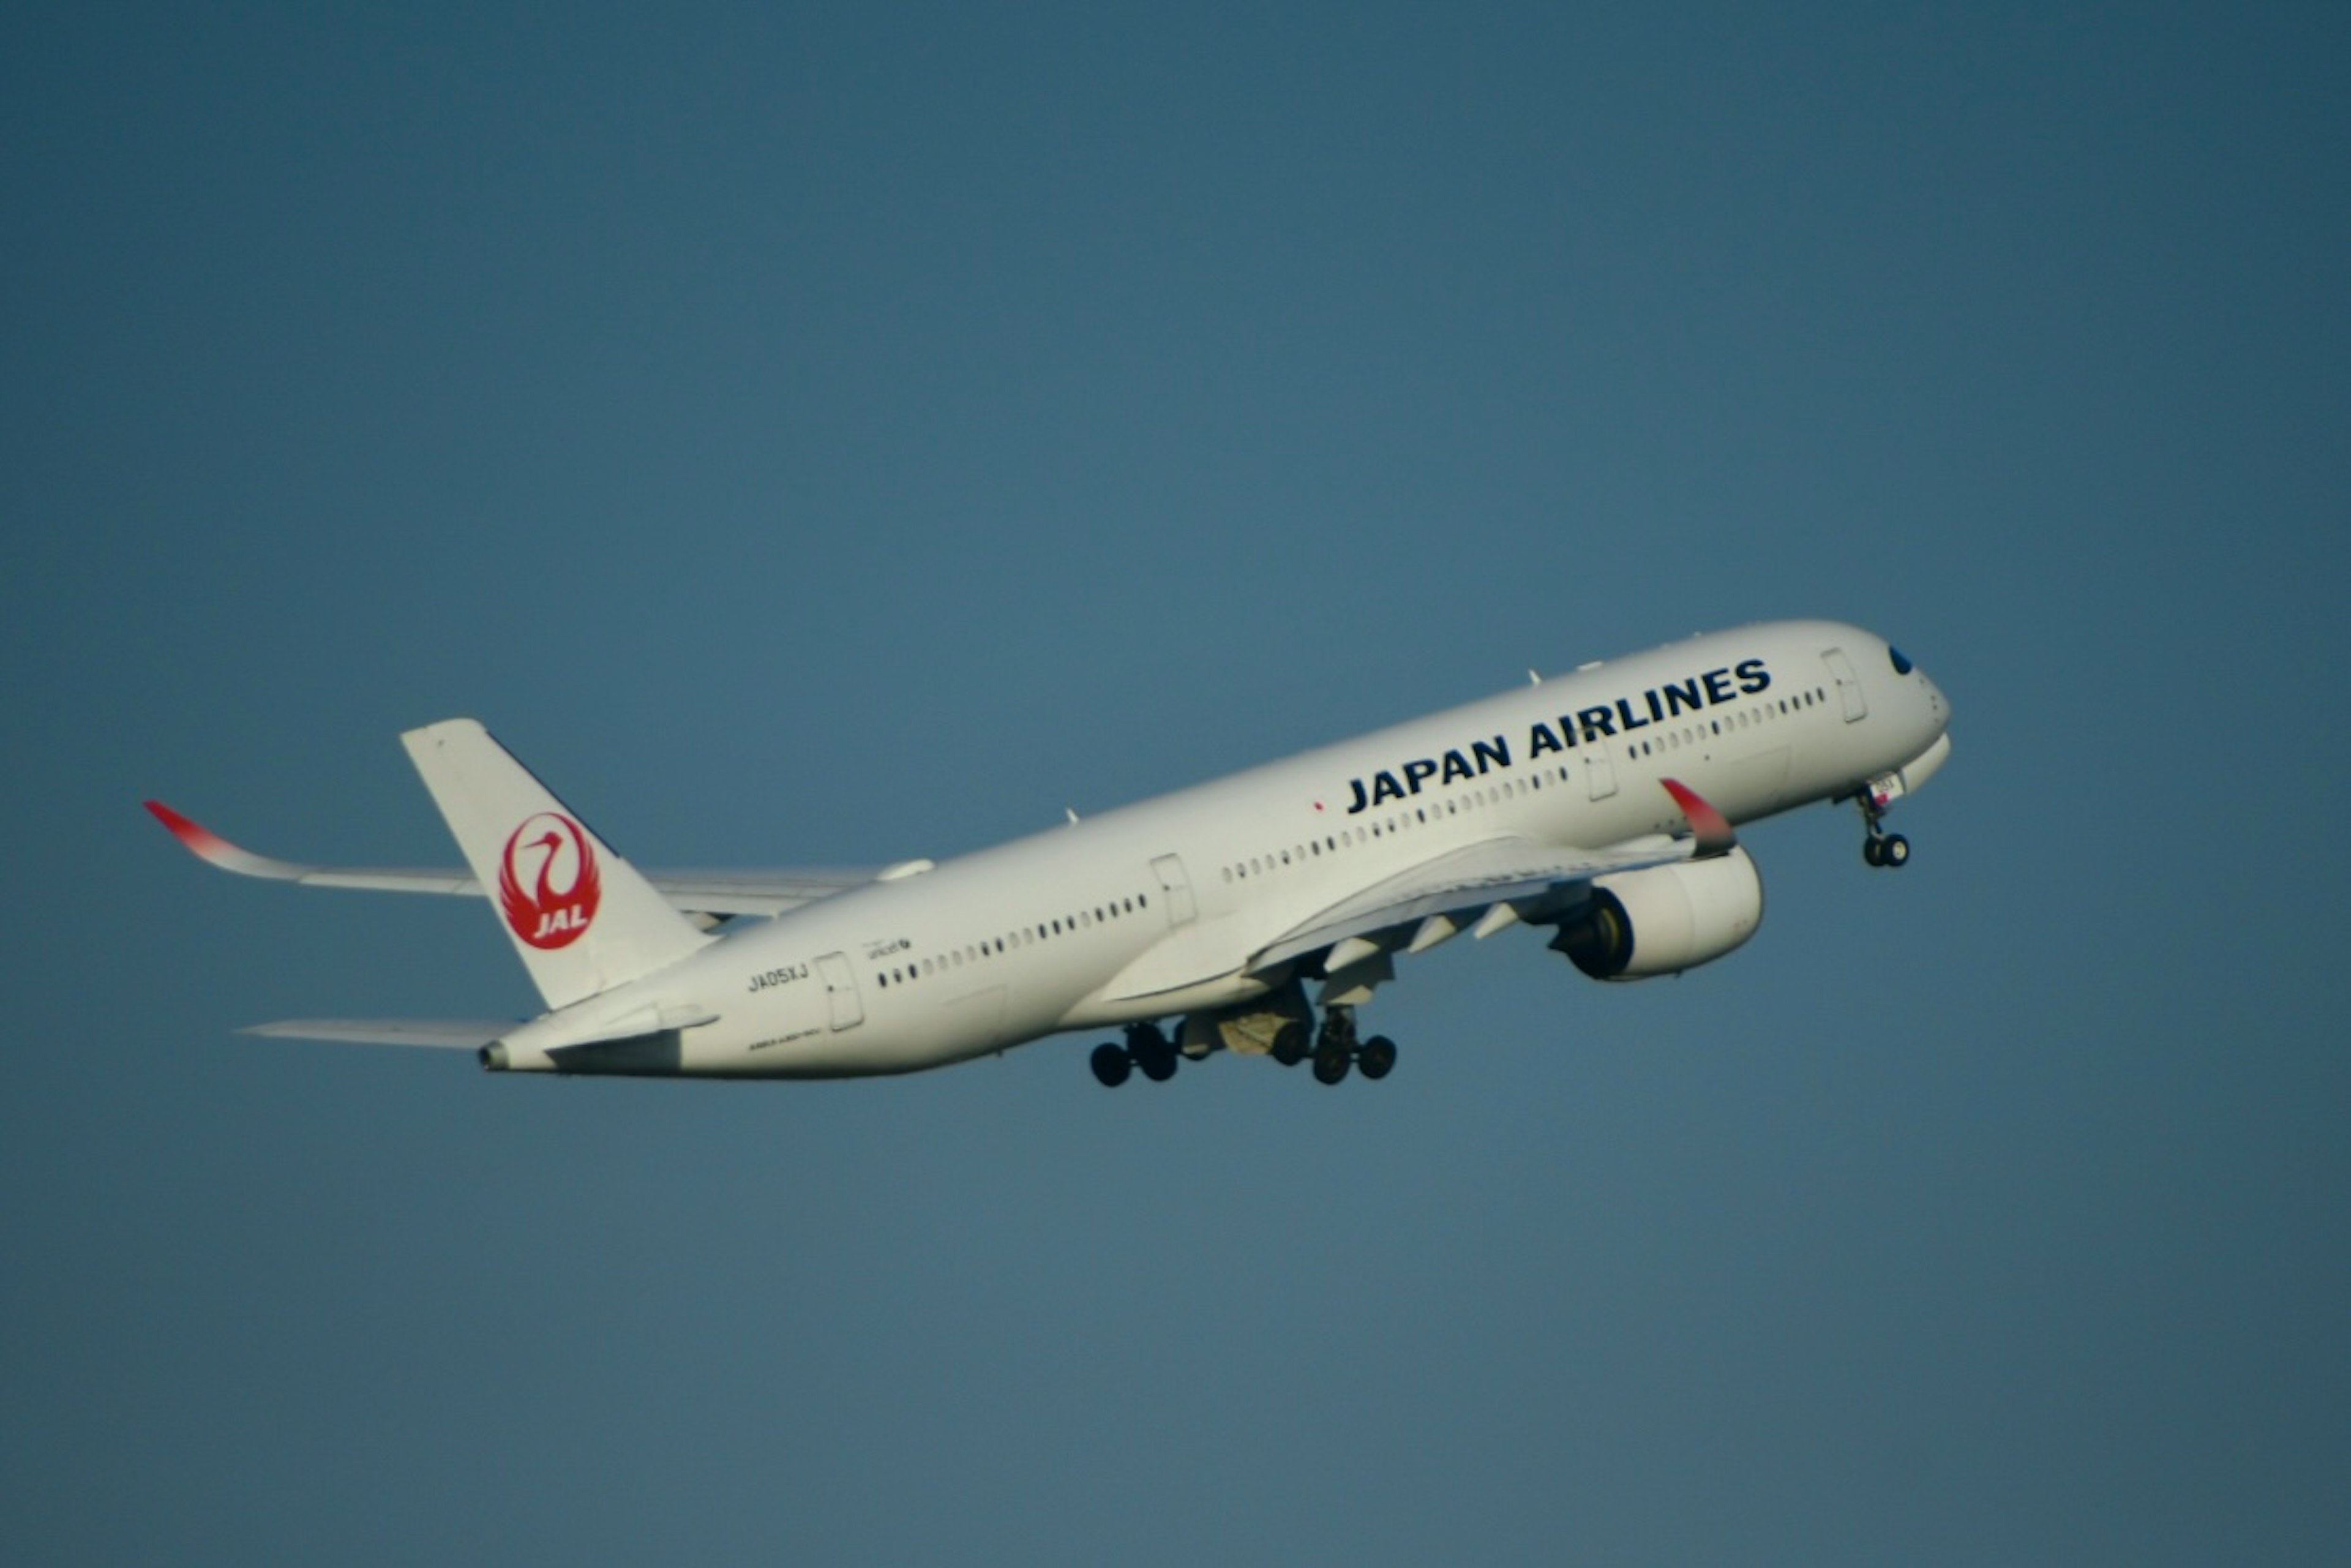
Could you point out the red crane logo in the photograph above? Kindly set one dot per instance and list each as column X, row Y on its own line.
column 563, row 895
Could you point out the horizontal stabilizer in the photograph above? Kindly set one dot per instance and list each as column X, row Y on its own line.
column 447, row 1034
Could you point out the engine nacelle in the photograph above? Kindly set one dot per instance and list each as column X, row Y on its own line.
column 1666, row 919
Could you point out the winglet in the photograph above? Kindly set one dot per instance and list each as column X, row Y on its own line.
column 211, row 848
column 1711, row 828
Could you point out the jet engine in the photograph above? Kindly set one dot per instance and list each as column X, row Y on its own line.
column 1663, row 920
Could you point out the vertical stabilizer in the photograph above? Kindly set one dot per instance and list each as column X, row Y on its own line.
column 580, row 916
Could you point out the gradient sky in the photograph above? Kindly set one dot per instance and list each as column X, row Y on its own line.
column 836, row 434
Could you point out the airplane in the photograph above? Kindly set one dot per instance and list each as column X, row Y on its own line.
column 1600, row 805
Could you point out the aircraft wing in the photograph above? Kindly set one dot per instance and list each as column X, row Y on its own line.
column 712, row 893
column 1464, row 883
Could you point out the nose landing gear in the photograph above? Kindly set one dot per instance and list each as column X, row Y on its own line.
column 1891, row 851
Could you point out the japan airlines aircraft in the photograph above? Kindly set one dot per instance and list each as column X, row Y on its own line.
column 1600, row 805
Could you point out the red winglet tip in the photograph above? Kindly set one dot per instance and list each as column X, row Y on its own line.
column 1711, row 827
column 199, row 840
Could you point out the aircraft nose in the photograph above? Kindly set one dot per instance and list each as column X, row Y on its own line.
column 1938, row 704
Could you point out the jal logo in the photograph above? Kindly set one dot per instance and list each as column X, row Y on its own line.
column 548, row 885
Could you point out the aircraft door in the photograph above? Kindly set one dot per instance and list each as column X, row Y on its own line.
column 841, row 991
column 1176, row 888
column 1848, row 684
column 1599, row 772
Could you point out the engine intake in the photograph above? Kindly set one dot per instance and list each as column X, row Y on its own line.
column 1666, row 919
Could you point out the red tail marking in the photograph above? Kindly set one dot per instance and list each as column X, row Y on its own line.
column 546, row 917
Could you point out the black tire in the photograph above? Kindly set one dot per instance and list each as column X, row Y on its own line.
column 1871, row 851
column 1159, row 1066
column 1110, row 1065
column 1377, row 1058
column 1894, row 852
column 1331, row 1064
column 1289, row 1045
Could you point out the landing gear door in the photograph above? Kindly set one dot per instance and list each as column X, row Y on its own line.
column 1848, row 684
column 1176, row 888
column 841, row 991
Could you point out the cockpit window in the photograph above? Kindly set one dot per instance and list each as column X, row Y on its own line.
column 1902, row 666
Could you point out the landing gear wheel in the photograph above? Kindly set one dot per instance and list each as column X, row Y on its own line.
column 1111, row 1064
column 1288, row 1046
column 1873, row 850
column 1157, row 1060
column 1894, row 851
column 1377, row 1060
column 1152, row 1052
column 1331, row 1062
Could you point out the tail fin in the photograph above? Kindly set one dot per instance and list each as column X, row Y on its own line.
column 580, row 917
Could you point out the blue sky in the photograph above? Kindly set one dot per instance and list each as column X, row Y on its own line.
column 841, row 434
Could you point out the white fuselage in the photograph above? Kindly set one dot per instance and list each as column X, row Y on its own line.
column 1153, row 910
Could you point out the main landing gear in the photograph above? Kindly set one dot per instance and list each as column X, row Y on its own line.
column 1336, row 1052
column 1145, row 1048
column 1881, row 848
column 1336, row 1049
